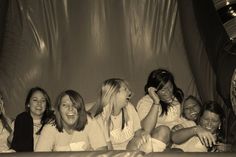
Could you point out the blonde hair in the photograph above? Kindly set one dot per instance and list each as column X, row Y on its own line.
column 106, row 101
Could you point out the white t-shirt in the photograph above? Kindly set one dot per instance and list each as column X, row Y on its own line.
column 170, row 119
column 90, row 138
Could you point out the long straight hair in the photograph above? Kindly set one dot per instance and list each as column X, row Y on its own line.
column 6, row 121
column 157, row 79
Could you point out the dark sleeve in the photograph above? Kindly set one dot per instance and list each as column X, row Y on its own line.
column 23, row 134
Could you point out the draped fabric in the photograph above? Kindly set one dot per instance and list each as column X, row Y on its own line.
column 71, row 44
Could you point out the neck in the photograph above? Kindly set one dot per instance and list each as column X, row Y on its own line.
column 116, row 111
column 35, row 117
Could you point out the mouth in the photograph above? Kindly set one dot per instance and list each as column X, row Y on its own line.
column 70, row 115
column 128, row 99
column 194, row 114
column 39, row 108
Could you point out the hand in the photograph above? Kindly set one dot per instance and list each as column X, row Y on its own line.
column 205, row 136
column 177, row 127
column 222, row 147
column 152, row 93
column 144, row 143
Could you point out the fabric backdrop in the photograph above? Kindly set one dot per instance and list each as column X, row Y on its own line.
column 77, row 44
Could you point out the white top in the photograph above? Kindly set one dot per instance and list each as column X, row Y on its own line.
column 118, row 137
column 193, row 144
column 90, row 138
column 170, row 119
column 3, row 138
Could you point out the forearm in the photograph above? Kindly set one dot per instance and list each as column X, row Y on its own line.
column 149, row 122
column 182, row 135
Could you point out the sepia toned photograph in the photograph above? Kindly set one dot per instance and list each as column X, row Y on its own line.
column 135, row 78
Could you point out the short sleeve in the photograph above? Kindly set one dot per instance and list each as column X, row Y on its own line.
column 95, row 134
column 143, row 107
column 46, row 139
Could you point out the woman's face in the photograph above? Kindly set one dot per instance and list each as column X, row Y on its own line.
column 123, row 96
column 210, row 121
column 68, row 111
column 37, row 104
column 166, row 92
column 191, row 109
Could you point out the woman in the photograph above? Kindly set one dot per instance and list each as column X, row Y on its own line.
column 161, row 104
column 73, row 129
column 5, row 127
column 207, row 136
column 190, row 114
column 116, row 115
column 37, row 114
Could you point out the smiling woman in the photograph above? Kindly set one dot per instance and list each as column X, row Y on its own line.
column 38, row 113
column 73, row 129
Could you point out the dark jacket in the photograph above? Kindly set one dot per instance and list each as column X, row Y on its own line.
column 23, row 139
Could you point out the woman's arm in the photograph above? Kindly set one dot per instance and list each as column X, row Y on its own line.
column 149, row 122
column 182, row 135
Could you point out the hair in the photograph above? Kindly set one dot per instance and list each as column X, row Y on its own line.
column 214, row 107
column 78, row 102
column 6, row 121
column 106, row 97
column 157, row 79
column 48, row 113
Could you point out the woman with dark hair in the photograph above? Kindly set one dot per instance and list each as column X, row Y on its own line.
column 5, row 127
column 73, row 129
column 28, row 124
column 206, row 136
column 161, row 104
column 160, row 109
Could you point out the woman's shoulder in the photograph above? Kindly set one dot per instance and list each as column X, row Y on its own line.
column 130, row 107
column 50, row 127
column 145, row 101
column 23, row 115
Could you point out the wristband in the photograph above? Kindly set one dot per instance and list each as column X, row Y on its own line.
column 195, row 130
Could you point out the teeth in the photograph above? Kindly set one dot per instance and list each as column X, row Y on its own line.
column 194, row 113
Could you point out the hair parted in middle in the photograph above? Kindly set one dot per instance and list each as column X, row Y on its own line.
column 78, row 102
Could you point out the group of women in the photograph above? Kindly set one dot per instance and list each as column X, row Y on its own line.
column 163, row 120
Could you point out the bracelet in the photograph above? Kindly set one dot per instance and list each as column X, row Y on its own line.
column 156, row 103
column 195, row 130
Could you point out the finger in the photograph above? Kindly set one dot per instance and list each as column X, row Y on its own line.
column 201, row 139
column 209, row 141
column 204, row 141
column 212, row 139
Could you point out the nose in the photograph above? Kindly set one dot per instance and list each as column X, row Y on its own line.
column 70, row 107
